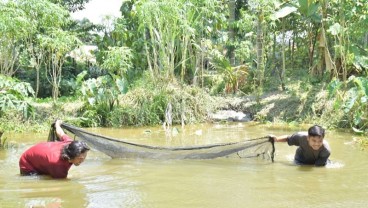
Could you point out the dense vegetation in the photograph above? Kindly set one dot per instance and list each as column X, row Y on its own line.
column 163, row 61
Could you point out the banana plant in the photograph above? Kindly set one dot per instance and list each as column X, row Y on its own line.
column 231, row 75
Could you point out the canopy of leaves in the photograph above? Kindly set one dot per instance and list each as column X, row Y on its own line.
column 72, row 5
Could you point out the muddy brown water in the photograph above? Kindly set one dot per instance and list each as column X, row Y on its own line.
column 224, row 182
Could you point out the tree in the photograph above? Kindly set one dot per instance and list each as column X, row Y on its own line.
column 44, row 16
column 118, row 60
column 311, row 19
column 232, row 8
column 281, row 14
column 175, row 32
column 86, row 30
column 72, row 5
column 346, row 23
column 163, row 20
column 58, row 43
column 263, row 9
column 15, row 27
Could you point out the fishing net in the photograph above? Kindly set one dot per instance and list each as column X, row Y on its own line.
column 261, row 147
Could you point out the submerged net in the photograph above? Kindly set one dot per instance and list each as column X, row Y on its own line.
column 261, row 147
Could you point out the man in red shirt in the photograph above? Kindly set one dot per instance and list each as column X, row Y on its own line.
column 53, row 158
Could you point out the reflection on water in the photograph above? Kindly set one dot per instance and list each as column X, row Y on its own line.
column 223, row 182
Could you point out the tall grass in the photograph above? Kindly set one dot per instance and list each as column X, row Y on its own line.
column 153, row 101
column 185, row 104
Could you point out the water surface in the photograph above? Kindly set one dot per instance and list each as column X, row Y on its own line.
column 224, row 182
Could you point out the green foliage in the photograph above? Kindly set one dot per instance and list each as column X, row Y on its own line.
column 72, row 5
column 14, row 22
column 172, row 38
column 283, row 12
column 3, row 142
column 174, row 31
column 215, row 83
column 14, row 29
column 362, row 142
column 118, row 60
column 101, row 97
column 58, row 43
column 13, row 96
column 43, row 15
column 231, row 75
column 86, row 30
column 309, row 10
column 355, row 103
column 143, row 107
column 244, row 51
column 148, row 102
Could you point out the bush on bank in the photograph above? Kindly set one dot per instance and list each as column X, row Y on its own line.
column 157, row 102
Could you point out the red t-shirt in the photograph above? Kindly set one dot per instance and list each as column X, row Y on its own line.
column 45, row 159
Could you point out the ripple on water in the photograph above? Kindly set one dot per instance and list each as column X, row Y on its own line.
column 334, row 165
column 111, row 191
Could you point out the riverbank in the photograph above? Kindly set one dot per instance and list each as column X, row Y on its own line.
column 292, row 109
column 279, row 107
column 286, row 107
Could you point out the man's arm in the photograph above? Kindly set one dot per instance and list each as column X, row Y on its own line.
column 59, row 131
column 321, row 161
column 282, row 138
column 323, row 155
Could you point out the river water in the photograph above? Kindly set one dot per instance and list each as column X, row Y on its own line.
column 224, row 182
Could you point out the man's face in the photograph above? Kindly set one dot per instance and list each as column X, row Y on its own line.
column 315, row 142
column 79, row 159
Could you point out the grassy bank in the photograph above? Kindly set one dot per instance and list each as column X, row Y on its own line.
column 299, row 106
column 168, row 103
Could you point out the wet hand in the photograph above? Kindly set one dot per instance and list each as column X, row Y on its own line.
column 272, row 137
column 58, row 122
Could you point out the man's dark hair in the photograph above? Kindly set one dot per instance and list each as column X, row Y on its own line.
column 316, row 130
column 73, row 150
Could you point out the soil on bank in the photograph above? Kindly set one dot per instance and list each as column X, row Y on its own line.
column 277, row 106
column 308, row 107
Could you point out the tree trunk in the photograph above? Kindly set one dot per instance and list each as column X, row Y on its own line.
column 260, row 62
column 282, row 72
column 232, row 8
column 293, row 50
column 184, row 57
column 344, row 42
column 37, row 81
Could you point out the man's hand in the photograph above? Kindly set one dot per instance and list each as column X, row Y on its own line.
column 283, row 138
column 58, row 129
column 58, row 122
column 272, row 137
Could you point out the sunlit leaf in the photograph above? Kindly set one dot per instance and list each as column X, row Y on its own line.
column 357, row 130
column 350, row 103
column 335, row 29
column 283, row 12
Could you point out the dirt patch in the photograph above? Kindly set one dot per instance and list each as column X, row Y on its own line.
column 62, row 109
column 279, row 106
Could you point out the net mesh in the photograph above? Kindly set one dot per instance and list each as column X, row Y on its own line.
column 260, row 147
